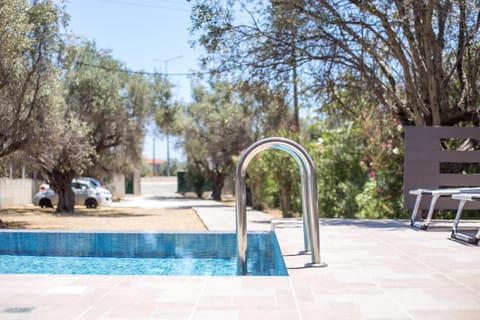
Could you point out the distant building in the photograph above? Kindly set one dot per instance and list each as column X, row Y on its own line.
column 156, row 166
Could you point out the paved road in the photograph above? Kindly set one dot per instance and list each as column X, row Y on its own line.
column 160, row 192
column 160, row 187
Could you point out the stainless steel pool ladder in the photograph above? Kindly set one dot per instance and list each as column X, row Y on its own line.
column 309, row 198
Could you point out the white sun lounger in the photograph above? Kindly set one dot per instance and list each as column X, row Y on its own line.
column 464, row 197
column 415, row 220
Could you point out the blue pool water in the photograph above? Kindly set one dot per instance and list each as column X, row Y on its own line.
column 130, row 253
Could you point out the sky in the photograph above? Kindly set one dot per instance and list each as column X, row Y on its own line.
column 145, row 35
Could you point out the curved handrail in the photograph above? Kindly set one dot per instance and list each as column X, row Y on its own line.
column 309, row 197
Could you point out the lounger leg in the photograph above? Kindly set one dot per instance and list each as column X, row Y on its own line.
column 430, row 211
column 478, row 235
column 457, row 218
column 415, row 217
column 459, row 235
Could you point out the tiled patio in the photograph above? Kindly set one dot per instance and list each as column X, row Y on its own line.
column 376, row 270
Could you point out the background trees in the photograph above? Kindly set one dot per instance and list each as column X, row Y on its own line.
column 68, row 106
column 103, row 111
column 64, row 153
column 223, row 120
column 113, row 104
column 165, row 112
column 215, row 129
column 416, row 58
column 369, row 67
column 33, row 117
column 29, row 44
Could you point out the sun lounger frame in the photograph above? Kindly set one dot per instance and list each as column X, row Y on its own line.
column 415, row 219
column 456, row 234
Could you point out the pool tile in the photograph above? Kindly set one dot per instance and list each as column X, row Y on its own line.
column 156, row 253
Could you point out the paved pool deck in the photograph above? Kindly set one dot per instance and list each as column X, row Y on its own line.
column 380, row 269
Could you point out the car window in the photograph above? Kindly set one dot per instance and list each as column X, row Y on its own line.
column 90, row 182
column 79, row 186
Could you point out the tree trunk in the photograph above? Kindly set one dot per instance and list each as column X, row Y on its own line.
column 66, row 199
column 218, row 182
column 61, row 184
column 285, row 201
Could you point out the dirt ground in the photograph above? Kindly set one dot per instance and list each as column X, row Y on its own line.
column 102, row 218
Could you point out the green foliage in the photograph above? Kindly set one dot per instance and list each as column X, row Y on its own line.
column 360, row 159
column 215, row 128
column 196, row 179
column 65, row 153
column 29, row 46
column 145, row 168
column 376, row 42
column 383, row 154
column 223, row 120
column 114, row 105
column 263, row 187
column 354, row 141
column 165, row 110
column 358, row 168
column 373, row 203
column 358, row 164
column 95, row 121
column 275, row 181
column 175, row 165
column 67, row 105
column 339, row 173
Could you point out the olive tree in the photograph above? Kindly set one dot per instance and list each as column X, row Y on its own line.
column 29, row 43
column 113, row 103
column 215, row 129
column 96, row 124
column 224, row 119
column 63, row 154
column 419, row 59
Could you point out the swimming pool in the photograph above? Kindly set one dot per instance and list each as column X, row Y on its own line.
column 131, row 253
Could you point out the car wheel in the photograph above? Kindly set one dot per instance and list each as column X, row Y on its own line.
column 45, row 203
column 91, row 203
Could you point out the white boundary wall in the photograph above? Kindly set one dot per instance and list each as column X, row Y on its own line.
column 15, row 192
column 117, row 186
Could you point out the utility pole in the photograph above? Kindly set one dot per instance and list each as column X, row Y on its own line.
column 153, row 163
column 296, row 121
column 167, row 133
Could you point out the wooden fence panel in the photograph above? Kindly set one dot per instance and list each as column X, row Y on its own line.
column 423, row 156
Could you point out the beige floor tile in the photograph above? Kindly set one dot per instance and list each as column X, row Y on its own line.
column 215, row 314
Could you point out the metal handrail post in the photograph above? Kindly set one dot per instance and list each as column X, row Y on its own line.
column 309, row 198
